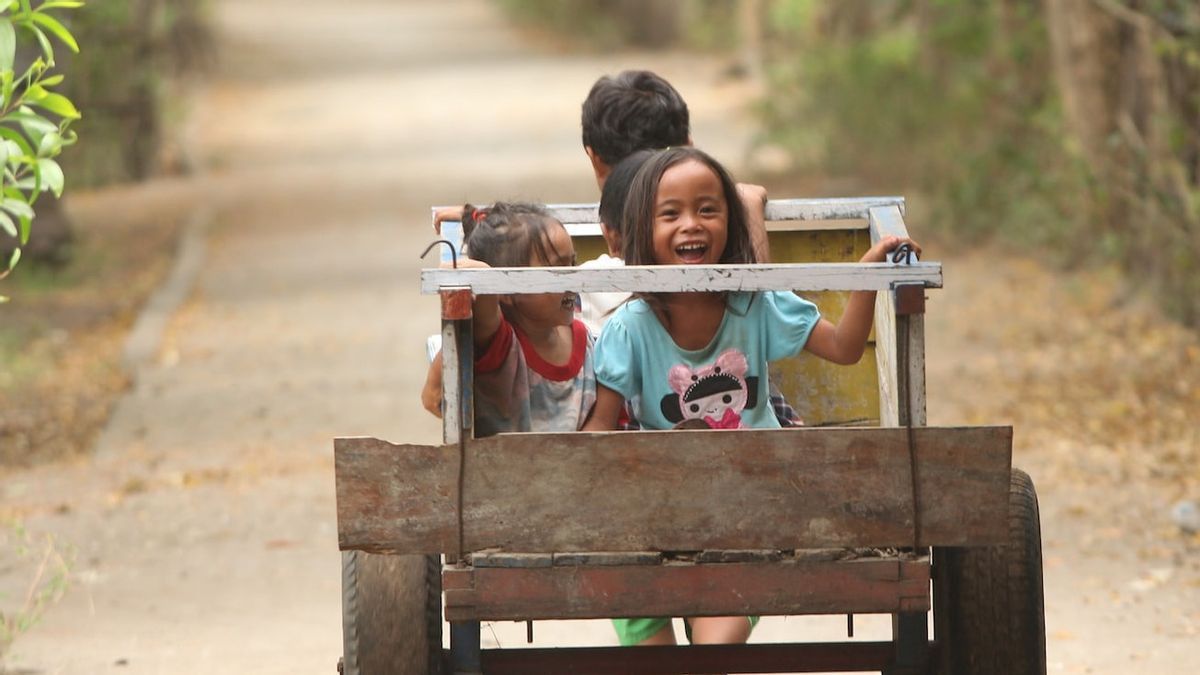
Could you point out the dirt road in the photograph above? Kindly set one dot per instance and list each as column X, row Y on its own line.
column 203, row 526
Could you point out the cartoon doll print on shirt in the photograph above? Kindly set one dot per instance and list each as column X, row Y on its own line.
column 714, row 394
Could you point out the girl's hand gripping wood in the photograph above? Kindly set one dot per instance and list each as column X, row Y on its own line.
column 845, row 342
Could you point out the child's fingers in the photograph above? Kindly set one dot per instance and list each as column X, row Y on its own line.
column 448, row 213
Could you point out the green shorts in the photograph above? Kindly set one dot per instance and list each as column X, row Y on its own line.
column 632, row 631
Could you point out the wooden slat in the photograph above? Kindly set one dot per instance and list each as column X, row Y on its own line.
column 886, row 221
column 854, row 208
column 608, row 558
column 677, row 490
column 683, row 278
column 877, row 585
column 851, row 208
column 885, row 359
column 582, row 232
column 821, row 657
column 405, row 491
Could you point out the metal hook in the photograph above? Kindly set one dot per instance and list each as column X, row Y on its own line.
column 453, row 253
column 903, row 254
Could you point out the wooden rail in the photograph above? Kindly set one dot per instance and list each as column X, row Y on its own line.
column 778, row 210
column 675, row 490
column 683, row 278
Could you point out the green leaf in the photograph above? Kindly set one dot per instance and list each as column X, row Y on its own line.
column 12, row 261
column 59, row 105
column 54, row 26
column 8, row 45
column 34, row 124
column 13, row 136
column 35, row 93
column 23, row 226
column 55, row 4
column 6, row 86
column 52, row 81
column 18, row 208
column 47, row 48
column 12, row 151
column 52, row 176
column 7, row 224
column 50, row 144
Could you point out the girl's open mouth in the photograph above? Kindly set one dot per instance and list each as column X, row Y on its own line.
column 692, row 253
column 568, row 302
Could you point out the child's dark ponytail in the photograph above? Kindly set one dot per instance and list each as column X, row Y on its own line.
column 506, row 234
column 470, row 217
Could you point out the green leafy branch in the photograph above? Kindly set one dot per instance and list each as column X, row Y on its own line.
column 34, row 119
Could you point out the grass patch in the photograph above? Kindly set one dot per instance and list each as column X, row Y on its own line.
column 62, row 333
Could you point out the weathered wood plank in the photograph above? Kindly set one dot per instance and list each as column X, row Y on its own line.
column 885, row 359
column 608, row 558
column 682, row 278
column 405, row 491
column 878, row 585
column 501, row 559
column 885, row 221
column 677, row 490
column 818, row 657
column 852, row 208
column 743, row 556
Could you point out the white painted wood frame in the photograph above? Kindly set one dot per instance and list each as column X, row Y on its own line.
column 583, row 219
column 899, row 340
column 685, row 278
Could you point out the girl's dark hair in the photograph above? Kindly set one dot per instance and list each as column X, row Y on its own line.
column 638, row 216
column 616, row 190
column 507, row 234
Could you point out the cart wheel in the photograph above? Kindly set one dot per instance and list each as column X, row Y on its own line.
column 989, row 615
column 391, row 614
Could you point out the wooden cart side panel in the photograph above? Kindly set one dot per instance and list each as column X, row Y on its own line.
column 862, row 586
column 396, row 498
column 676, row 490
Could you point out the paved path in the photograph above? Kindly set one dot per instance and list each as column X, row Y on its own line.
column 203, row 527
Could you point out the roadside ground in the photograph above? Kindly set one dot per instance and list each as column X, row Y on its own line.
column 200, row 524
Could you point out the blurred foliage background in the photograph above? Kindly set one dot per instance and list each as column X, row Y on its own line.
column 136, row 57
column 127, row 79
column 1066, row 127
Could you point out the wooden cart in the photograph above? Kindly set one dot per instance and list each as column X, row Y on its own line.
column 860, row 512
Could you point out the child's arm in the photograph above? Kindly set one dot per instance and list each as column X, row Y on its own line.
column 444, row 214
column 845, row 342
column 754, row 200
column 431, row 393
column 485, row 323
column 606, row 412
column 485, row 309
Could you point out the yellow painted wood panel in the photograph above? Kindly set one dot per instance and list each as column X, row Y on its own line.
column 822, row 392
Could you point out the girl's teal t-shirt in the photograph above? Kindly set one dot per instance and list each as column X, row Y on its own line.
column 725, row 383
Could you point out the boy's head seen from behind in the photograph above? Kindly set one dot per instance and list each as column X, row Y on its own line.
column 635, row 110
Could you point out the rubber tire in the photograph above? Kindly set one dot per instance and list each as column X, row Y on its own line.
column 391, row 614
column 989, row 613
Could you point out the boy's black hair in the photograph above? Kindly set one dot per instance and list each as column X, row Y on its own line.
column 636, row 110
column 616, row 189
column 506, row 234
